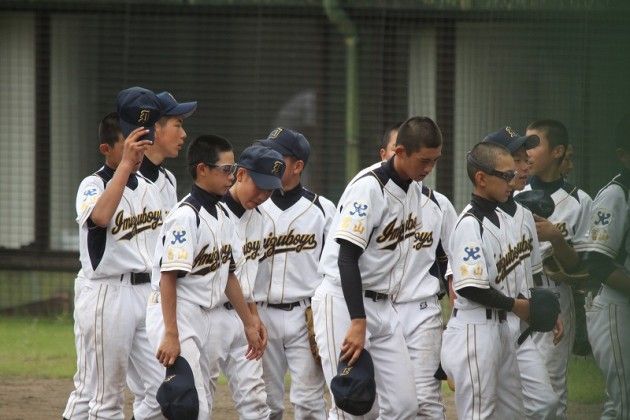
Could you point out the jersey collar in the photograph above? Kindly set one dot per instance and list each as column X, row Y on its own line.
column 235, row 207
column 388, row 166
column 549, row 187
column 132, row 181
column 149, row 169
column 207, row 200
column 286, row 199
column 485, row 208
column 509, row 206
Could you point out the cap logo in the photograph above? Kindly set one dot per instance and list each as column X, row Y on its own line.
column 275, row 133
column 510, row 132
column 346, row 371
column 172, row 97
column 145, row 114
column 168, row 378
column 276, row 167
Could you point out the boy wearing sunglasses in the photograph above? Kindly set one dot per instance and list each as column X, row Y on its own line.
column 478, row 346
column 561, row 236
column 194, row 267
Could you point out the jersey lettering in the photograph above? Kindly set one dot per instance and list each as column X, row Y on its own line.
column 288, row 242
column 512, row 258
column 211, row 260
column 136, row 223
column 251, row 249
column 562, row 227
column 423, row 240
column 393, row 234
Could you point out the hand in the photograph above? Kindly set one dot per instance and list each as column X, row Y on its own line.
column 262, row 331
column 133, row 149
column 354, row 341
column 558, row 332
column 254, row 343
column 169, row 350
column 546, row 230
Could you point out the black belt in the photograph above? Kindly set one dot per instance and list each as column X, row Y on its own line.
column 286, row 306
column 375, row 296
column 139, row 278
column 501, row 314
column 228, row 306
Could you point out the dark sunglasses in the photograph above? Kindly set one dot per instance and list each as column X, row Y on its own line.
column 226, row 168
column 507, row 176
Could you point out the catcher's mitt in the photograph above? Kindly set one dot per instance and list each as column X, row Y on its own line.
column 544, row 308
column 555, row 271
column 308, row 313
column 537, row 201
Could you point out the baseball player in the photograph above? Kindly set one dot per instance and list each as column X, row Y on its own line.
column 521, row 272
column 193, row 269
column 377, row 222
column 607, row 316
column 294, row 227
column 119, row 214
column 477, row 346
column 259, row 173
column 169, row 139
column 560, row 236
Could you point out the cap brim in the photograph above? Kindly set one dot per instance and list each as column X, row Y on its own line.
column 277, row 146
column 265, row 182
column 126, row 129
column 531, row 141
column 184, row 110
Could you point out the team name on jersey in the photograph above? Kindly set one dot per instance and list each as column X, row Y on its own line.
column 288, row 242
column 512, row 258
column 562, row 227
column 393, row 234
column 211, row 261
column 422, row 240
column 251, row 249
column 136, row 223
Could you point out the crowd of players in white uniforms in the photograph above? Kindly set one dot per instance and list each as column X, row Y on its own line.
column 254, row 275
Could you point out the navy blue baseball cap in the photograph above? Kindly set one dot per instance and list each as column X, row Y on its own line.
column 511, row 140
column 288, row 143
column 138, row 107
column 177, row 395
column 264, row 165
column 173, row 108
column 354, row 387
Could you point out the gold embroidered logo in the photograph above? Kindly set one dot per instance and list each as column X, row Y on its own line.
column 510, row 132
column 359, row 228
column 478, row 271
column 168, row 378
column 145, row 114
column 276, row 167
column 275, row 133
column 346, row 371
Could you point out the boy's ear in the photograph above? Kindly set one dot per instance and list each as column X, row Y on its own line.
column 558, row 152
column 299, row 166
column 104, row 148
column 241, row 174
column 480, row 179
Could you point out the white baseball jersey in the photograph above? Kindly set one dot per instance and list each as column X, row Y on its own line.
column 293, row 239
column 421, row 277
column 571, row 215
column 163, row 180
column 246, row 244
column 381, row 214
column 192, row 242
column 128, row 242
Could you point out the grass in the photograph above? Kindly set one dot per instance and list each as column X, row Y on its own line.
column 44, row 348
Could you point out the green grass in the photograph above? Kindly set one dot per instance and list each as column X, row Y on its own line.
column 44, row 348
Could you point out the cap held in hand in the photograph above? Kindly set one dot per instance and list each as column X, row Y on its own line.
column 138, row 107
column 544, row 308
column 177, row 395
column 354, row 388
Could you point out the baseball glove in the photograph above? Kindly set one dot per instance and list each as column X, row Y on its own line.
column 555, row 271
column 537, row 201
column 544, row 308
column 308, row 313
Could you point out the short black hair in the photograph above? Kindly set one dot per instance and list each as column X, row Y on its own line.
column 555, row 131
column 622, row 133
column 486, row 154
column 417, row 133
column 205, row 149
column 388, row 133
column 109, row 129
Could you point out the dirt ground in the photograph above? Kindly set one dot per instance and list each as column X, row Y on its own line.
column 36, row 399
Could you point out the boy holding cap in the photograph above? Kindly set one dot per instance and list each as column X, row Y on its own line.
column 194, row 267
column 259, row 173
column 119, row 214
column 522, row 272
column 169, row 140
column 294, row 227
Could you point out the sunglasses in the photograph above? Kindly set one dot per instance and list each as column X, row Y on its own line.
column 507, row 176
column 226, row 168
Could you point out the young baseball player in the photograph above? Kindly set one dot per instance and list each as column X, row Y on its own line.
column 119, row 214
column 259, row 173
column 478, row 347
column 560, row 236
column 376, row 223
column 194, row 268
column 607, row 315
column 522, row 270
column 294, row 227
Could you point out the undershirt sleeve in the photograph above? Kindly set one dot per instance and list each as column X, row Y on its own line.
column 491, row 298
column 600, row 266
column 351, row 284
